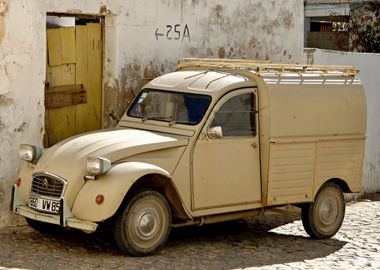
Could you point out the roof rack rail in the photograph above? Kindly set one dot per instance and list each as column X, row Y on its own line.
column 265, row 67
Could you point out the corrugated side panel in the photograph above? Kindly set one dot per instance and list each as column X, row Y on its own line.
column 291, row 172
column 340, row 159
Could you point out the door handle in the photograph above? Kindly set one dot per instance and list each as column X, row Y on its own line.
column 254, row 145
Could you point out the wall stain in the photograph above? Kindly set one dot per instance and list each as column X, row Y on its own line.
column 231, row 52
column 6, row 101
column 104, row 10
column 151, row 71
column 22, row 127
column 217, row 17
column 253, row 42
column 217, row 11
column 74, row 11
column 4, row 4
column 111, row 103
column 193, row 52
column 287, row 18
column 2, row 194
column 120, row 93
column 271, row 26
column 221, row 52
column 268, row 22
column 2, row 124
column 195, row 2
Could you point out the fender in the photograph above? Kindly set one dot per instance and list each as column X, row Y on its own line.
column 113, row 185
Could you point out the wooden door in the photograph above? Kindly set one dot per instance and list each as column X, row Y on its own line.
column 73, row 93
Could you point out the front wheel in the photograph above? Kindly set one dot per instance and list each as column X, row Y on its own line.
column 143, row 226
column 323, row 218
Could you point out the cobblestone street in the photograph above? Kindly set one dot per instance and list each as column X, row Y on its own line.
column 274, row 242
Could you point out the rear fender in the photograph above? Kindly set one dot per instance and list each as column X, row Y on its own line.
column 113, row 185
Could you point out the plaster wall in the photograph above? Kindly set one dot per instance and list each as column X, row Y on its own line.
column 142, row 39
column 369, row 66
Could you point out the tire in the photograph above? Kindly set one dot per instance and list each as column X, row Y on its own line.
column 43, row 227
column 143, row 226
column 323, row 218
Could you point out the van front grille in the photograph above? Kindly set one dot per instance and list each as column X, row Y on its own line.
column 47, row 185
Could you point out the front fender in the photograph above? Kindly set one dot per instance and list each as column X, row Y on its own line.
column 114, row 185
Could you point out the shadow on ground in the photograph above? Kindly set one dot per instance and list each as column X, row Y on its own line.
column 375, row 197
column 239, row 244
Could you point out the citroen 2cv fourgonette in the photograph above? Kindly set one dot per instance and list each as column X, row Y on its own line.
column 216, row 140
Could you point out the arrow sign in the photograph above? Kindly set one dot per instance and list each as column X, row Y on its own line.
column 157, row 34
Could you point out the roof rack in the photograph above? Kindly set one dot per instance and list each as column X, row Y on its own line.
column 266, row 68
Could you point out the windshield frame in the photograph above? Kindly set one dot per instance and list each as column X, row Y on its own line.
column 171, row 121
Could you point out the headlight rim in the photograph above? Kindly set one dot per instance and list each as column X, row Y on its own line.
column 36, row 153
column 104, row 166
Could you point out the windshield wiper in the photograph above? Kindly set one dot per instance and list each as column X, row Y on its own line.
column 158, row 118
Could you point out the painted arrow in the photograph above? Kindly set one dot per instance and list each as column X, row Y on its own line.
column 157, row 34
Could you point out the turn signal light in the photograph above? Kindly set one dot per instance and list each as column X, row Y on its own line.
column 18, row 182
column 99, row 199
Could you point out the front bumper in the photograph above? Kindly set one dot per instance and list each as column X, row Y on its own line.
column 64, row 219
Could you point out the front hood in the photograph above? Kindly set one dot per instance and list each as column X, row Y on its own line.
column 111, row 144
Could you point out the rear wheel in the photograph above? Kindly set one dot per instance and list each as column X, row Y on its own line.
column 143, row 226
column 323, row 218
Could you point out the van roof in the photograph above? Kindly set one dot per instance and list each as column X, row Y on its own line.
column 215, row 77
column 201, row 82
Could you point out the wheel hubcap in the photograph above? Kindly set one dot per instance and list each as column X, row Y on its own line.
column 147, row 223
column 328, row 212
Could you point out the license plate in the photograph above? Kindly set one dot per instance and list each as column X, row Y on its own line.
column 45, row 205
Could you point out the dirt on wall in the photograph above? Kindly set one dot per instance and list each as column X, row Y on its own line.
column 3, row 13
column 258, row 43
column 120, row 93
column 248, row 30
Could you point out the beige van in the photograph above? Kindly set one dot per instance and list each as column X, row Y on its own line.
column 216, row 140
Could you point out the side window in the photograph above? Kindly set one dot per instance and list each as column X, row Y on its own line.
column 237, row 116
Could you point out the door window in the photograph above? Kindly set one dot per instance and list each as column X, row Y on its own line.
column 237, row 116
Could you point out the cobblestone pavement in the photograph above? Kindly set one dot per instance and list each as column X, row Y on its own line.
column 274, row 242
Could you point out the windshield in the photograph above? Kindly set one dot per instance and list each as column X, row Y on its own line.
column 173, row 107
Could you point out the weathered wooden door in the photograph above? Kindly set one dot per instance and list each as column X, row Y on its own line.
column 73, row 95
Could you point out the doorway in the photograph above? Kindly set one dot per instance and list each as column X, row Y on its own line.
column 73, row 86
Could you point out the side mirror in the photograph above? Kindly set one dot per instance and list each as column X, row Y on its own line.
column 215, row 132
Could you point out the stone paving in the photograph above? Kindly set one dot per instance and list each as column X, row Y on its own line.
column 273, row 242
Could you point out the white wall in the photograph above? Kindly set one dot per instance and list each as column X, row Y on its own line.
column 369, row 66
column 270, row 30
column 219, row 29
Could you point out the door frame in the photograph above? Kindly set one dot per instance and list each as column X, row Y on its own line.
column 101, row 18
column 203, row 135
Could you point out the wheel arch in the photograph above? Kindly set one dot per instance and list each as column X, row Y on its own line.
column 164, row 185
column 340, row 183
column 118, row 185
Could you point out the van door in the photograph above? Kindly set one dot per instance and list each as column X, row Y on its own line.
column 226, row 159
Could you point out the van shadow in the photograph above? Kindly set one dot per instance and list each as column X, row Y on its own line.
column 252, row 242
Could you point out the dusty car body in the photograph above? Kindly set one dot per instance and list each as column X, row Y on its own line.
column 214, row 141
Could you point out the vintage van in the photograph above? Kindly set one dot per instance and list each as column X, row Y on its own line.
column 216, row 140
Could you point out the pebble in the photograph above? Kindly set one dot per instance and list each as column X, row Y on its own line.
column 271, row 242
